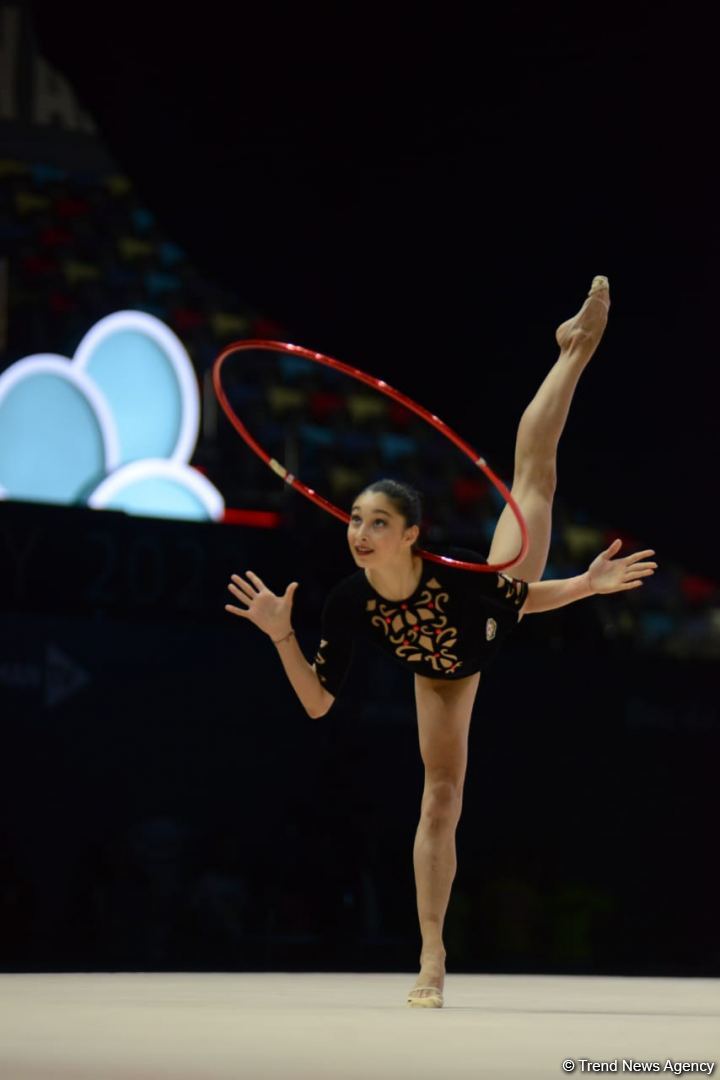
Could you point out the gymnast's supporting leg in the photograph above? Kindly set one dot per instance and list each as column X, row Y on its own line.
column 443, row 712
column 541, row 425
column 444, row 709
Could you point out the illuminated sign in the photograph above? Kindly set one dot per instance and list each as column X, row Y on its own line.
column 113, row 428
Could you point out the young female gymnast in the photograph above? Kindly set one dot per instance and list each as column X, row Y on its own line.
column 443, row 623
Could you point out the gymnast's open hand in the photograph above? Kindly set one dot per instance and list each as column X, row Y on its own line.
column 609, row 575
column 269, row 612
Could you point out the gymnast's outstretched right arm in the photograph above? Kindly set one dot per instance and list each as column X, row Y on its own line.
column 271, row 614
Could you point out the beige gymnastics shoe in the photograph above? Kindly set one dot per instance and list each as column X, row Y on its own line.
column 583, row 331
column 432, row 1001
column 600, row 284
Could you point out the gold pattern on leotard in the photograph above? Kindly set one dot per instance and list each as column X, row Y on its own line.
column 319, row 659
column 419, row 631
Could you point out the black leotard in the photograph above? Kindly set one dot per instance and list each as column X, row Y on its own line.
column 450, row 627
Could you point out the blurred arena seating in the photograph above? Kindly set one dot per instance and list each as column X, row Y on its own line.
column 80, row 244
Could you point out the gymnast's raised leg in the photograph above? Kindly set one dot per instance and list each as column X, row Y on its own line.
column 536, row 444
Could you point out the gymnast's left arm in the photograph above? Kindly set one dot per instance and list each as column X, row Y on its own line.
column 605, row 574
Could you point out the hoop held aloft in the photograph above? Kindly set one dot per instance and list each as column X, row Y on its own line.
column 383, row 388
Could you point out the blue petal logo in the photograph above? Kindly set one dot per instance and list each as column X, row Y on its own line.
column 112, row 428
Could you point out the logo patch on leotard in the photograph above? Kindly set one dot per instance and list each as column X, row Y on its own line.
column 490, row 629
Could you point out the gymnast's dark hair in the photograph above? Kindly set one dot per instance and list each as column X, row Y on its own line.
column 404, row 498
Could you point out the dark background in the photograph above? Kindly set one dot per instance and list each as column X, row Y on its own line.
column 424, row 195
column 428, row 194
column 167, row 804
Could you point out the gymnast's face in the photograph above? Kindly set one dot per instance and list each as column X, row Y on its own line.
column 377, row 531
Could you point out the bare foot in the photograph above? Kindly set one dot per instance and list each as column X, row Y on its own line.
column 432, row 974
column 581, row 335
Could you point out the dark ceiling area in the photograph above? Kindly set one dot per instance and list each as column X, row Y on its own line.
column 426, row 195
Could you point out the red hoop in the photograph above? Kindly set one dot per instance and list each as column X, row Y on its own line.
column 383, row 388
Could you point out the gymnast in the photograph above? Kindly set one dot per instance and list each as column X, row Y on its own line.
column 443, row 623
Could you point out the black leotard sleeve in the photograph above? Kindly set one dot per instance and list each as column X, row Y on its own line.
column 335, row 651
